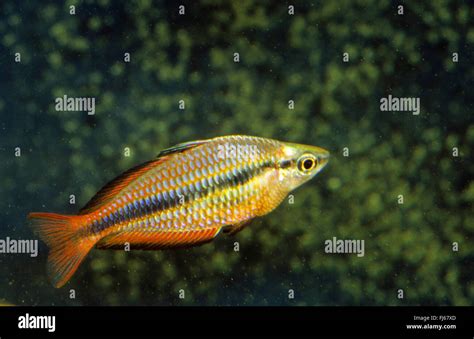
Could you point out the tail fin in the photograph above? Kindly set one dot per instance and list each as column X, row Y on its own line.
column 67, row 249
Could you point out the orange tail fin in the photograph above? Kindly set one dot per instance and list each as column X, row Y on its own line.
column 67, row 249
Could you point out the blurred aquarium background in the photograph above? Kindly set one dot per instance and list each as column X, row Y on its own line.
column 283, row 57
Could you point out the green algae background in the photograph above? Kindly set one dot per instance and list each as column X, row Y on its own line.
column 283, row 57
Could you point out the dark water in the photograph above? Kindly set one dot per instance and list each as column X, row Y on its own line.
column 401, row 182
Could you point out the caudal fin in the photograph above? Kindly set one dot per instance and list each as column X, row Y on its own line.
column 67, row 248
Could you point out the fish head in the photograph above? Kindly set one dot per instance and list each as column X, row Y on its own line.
column 300, row 163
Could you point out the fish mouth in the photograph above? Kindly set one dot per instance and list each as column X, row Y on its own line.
column 321, row 153
column 323, row 157
column 323, row 161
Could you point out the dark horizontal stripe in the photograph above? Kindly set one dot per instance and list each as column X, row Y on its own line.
column 166, row 200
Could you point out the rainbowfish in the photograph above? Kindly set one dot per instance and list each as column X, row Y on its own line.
column 182, row 198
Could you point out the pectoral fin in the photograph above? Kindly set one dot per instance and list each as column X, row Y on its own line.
column 236, row 228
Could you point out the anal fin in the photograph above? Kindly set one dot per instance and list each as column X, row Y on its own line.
column 143, row 240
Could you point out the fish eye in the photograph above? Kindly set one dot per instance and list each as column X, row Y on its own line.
column 307, row 163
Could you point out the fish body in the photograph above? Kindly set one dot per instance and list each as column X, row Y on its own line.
column 184, row 197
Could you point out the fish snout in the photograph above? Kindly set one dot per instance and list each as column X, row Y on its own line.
column 323, row 156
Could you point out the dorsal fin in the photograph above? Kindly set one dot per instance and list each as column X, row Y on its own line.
column 112, row 188
column 181, row 147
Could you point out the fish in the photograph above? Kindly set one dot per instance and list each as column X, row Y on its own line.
column 184, row 197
